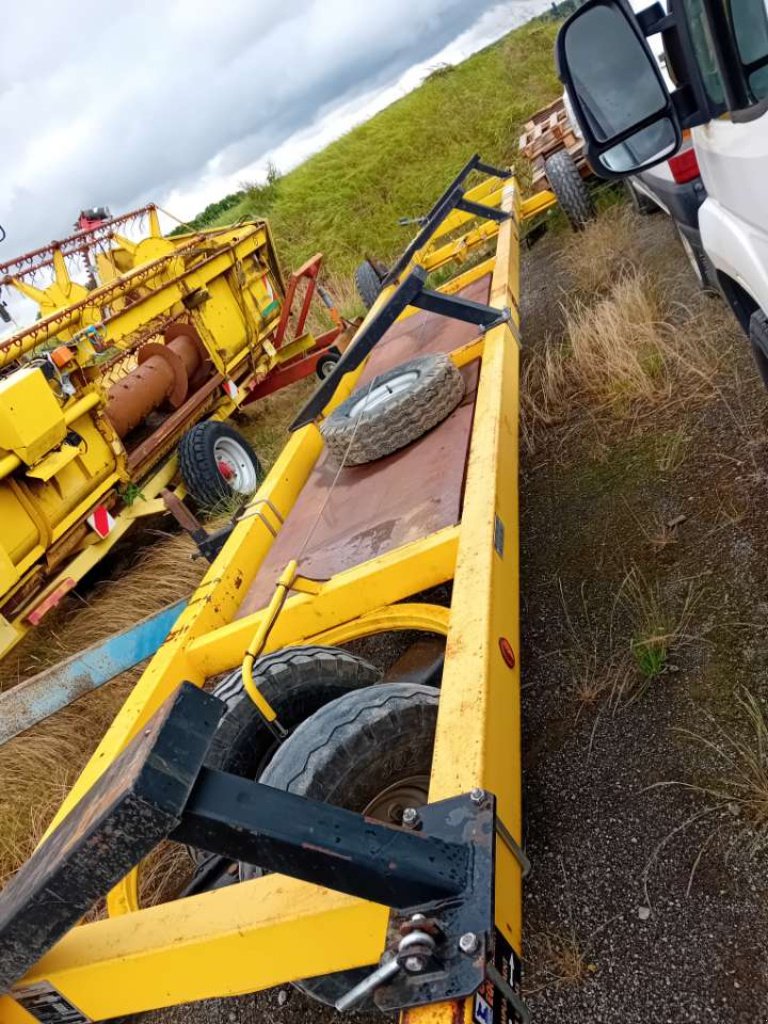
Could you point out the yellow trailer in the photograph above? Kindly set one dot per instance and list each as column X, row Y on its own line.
column 96, row 395
column 418, row 909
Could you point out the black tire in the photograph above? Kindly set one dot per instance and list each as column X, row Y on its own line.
column 296, row 681
column 641, row 203
column 325, row 365
column 429, row 389
column 758, row 337
column 368, row 283
column 700, row 263
column 568, row 185
column 348, row 753
column 199, row 467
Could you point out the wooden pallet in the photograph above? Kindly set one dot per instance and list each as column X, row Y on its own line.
column 549, row 130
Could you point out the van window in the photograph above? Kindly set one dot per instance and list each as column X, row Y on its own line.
column 705, row 53
column 750, row 27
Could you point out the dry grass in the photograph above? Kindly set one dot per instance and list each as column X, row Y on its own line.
column 629, row 347
column 557, row 959
column 739, row 792
column 605, row 252
column 612, row 663
column 38, row 767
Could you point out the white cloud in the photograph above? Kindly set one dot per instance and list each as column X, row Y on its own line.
column 180, row 100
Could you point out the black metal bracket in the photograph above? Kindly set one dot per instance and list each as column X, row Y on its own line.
column 159, row 788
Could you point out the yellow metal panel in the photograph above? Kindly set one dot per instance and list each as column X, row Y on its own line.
column 52, row 464
column 239, row 939
column 31, row 419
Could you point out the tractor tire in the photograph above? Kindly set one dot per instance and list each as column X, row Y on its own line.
column 296, row 681
column 216, row 462
column 568, row 185
column 368, row 283
column 641, row 203
column 370, row 752
column 396, row 408
column 326, row 364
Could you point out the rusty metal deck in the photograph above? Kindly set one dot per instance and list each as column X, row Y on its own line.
column 338, row 523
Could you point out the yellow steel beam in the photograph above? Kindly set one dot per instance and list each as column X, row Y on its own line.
column 477, row 742
column 478, row 728
column 238, row 939
column 214, row 603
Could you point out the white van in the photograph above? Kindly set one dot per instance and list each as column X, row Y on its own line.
column 716, row 53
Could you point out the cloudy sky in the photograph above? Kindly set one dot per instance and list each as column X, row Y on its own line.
column 178, row 101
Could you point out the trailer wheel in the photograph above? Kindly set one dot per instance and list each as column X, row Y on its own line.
column 568, row 185
column 216, row 462
column 370, row 752
column 368, row 283
column 296, row 681
column 397, row 407
column 325, row 364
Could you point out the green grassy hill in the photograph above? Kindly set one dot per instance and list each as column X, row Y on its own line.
column 345, row 201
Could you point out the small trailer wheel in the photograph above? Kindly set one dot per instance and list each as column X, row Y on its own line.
column 394, row 409
column 325, row 364
column 572, row 194
column 369, row 751
column 217, row 462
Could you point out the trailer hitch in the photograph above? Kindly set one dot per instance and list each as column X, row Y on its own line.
column 437, row 877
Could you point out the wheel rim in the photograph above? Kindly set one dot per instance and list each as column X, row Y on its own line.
column 382, row 393
column 389, row 804
column 235, row 466
column 326, row 368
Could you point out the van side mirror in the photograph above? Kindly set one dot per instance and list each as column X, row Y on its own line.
column 616, row 89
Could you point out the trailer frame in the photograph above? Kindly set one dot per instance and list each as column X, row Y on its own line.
column 276, row 929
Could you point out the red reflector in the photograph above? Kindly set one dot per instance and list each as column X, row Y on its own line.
column 684, row 166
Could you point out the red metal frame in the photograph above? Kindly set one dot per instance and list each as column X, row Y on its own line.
column 295, row 369
column 309, row 270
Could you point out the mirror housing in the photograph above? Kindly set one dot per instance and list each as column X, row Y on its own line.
column 626, row 115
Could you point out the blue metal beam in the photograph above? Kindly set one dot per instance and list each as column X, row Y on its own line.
column 43, row 695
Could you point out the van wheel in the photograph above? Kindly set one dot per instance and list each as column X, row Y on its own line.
column 641, row 203
column 370, row 752
column 758, row 337
column 699, row 261
column 569, row 187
